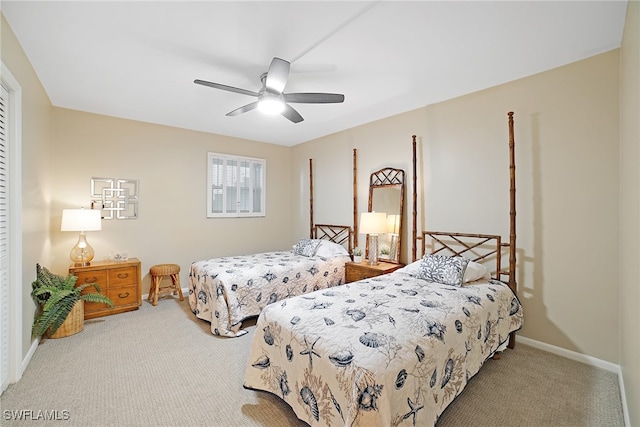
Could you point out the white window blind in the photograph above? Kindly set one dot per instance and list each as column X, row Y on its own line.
column 235, row 186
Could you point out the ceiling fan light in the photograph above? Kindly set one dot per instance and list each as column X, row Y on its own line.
column 270, row 104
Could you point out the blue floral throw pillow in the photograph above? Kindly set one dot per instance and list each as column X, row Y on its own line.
column 443, row 269
column 306, row 247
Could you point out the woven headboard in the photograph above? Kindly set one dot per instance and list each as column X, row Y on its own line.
column 340, row 234
column 486, row 249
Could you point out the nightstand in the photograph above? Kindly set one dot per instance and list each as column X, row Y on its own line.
column 362, row 270
column 120, row 281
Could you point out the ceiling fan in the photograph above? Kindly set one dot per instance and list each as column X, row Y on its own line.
column 271, row 97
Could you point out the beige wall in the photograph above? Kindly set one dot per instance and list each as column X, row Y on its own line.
column 36, row 171
column 566, row 125
column 170, row 165
column 630, row 211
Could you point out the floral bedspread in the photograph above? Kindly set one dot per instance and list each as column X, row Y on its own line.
column 388, row 351
column 226, row 291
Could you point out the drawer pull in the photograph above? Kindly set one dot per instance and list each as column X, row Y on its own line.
column 123, row 275
column 123, row 295
column 94, row 279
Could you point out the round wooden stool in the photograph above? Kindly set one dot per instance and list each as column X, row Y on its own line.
column 158, row 272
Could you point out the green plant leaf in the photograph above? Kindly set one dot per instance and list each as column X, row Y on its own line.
column 86, row 285
column 63, row 296
column 47, row 280
column 99, row 298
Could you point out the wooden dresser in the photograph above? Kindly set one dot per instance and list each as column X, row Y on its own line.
column 120, row 281
column 362, row 270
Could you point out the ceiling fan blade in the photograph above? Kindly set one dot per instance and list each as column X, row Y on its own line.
column 225, row 87
column 313, row 98
column 277, row 75
column 291, row 114
column 243, row 109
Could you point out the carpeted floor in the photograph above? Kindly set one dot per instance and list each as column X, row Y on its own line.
column 160, row 366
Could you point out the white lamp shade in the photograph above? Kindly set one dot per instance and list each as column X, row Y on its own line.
column 81, row 220
column 373, row 223
column 393, row 224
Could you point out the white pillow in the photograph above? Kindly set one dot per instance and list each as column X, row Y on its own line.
column 411, row 269
column 328, row 249
column 474, row 271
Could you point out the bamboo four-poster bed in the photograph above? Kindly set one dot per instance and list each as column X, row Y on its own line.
column 394, row 349
column 226, row 291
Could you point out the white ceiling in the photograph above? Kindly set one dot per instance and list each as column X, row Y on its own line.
column 137, row 60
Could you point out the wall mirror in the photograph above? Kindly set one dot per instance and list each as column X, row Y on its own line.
column 386, row 194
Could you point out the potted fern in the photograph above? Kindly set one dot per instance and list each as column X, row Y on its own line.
column 61, row 303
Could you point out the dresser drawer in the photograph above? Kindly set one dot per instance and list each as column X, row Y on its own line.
column 93, row 307
column 90, row 307
column 122, row 277
column 123, row 296
column 92, row 277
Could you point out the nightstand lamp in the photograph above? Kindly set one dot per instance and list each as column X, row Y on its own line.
column 373, row 224
column 81, row 220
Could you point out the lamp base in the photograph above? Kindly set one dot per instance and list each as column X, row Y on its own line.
column 82, row 253
column 373, row 249
column 81, row 264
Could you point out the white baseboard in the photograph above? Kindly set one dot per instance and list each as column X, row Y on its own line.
column 29, row 355
column 623, row 396
column 589, row 360
column 579, row 357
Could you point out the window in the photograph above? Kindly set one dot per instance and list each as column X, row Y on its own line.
column 235, row 186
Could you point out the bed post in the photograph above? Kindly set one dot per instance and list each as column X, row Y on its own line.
column 415, row 203
column 512, row 217
column 512, row 203
column 311, row 198
column 355, row 199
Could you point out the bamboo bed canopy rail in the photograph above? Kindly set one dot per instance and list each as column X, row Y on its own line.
column 340, row 234
column 470, row 245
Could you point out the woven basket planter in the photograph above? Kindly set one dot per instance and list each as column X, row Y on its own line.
column 73, row 324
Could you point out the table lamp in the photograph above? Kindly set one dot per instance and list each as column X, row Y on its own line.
column 81, row 220
column 373, row 224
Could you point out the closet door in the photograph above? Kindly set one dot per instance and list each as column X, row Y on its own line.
column 4, row 241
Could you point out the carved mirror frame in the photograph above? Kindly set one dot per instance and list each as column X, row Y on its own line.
column 386, row 194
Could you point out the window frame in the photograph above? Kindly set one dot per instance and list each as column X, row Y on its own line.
column 244, row 181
